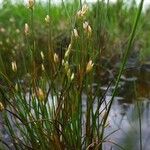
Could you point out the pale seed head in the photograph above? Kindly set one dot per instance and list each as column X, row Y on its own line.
column 43, row 68
column 87, row 28
column 47, row 19
column 81, row 13
column 40, row 94
column 84, row 8
column 31, row 3
column 68, row 51
column 16, row 87
column 68, row 73
column 14, row 66
column 42, row 55
column 66, row 65
column 85, row 25
column 1, row 107
column 56, row 58
column 2, row 30
column 89, row 66
column 26, row 29
column 75, row 33
column 72, row 76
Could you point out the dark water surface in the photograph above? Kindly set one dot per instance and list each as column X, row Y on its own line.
column 133, row 100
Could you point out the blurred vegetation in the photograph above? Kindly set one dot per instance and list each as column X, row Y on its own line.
column 111, row 25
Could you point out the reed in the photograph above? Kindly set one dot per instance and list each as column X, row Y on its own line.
column 54, row 103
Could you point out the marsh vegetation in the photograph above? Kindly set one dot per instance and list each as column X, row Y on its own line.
column 74, row 76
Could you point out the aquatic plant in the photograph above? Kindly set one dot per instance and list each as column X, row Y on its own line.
column 54, row 104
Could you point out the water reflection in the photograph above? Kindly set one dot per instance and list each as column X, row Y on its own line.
column 124, row 116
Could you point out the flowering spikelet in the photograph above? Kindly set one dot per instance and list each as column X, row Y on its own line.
column 56, row 58
column 1, row 107
column 47, row 19
column 68, row 73
column 26, row 29
column 42, row 55
column 89, row 66
column 14, row 66
column 68, row 51
column 2, row 30
column 87, row 28
column 82, row 12
column 42, row 66
column 31, row 3
column 72, row 76
column 66, row 65
column 40, row 94
column 75, row 33
column 16, row 87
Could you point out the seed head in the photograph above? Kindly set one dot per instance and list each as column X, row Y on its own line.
column 85, row 25
column 72, row 76
column 75, row 33
column 14, row 66
column 68, row 51
column 66, row 65
column 68, row 73
column 16, row 87
column 56, row 58
column 40, row 94
column 87, row 28
column 2, row 30
column 1, row 107
column 89, row 66
column 47, row 19
column 43, row 68
column 31, row 3
column 26, row 29
column 42, row 55
column 84, row 8
column 81, row 13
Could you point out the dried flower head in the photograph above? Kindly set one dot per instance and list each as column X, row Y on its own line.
column 26, row 29
column 47, row 19
column 42, row 66
column 66, row 65
column 40, row 94
column 87, row 28
column 68, row 73
column 85, row 25
column 72, row 76
column 2, row 30
column 31, row 3
column 42, row 55
column 14, row 66
column 16, row 87
column 89, row 66
column 17, row 31
column 1, row 107
column 56, row 58
column 82, row 12
column 68, row 51
column 75, row 33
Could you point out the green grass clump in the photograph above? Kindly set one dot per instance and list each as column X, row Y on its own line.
column 52, row 102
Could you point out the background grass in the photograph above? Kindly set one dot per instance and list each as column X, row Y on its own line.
column 43, row 98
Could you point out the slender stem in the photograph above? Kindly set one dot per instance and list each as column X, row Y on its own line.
column 124, row 60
